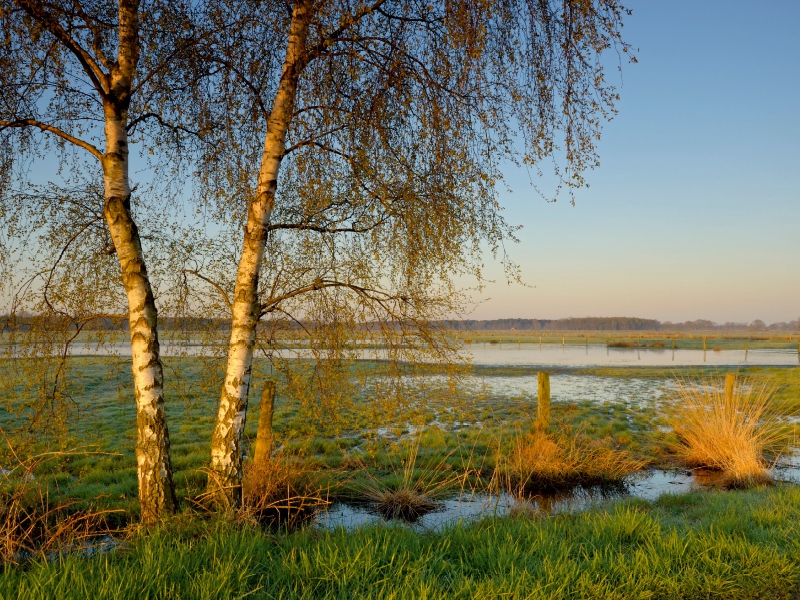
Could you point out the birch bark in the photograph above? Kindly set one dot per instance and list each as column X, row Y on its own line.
column 156, row 491
column 225, row 478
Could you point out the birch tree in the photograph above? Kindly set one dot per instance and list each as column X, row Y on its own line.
column 380, row 127
column 81, row 81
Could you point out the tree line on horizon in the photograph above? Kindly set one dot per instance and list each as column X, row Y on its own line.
column 612, row 324
column 23, row 321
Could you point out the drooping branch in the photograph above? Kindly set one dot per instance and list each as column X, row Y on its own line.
column 36, row 11
column 174, row 128
column 321, row 229
column 346, row 22
column 320, row 284
column 21, row 123
column 220, row 289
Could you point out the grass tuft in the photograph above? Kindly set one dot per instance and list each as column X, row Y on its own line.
column 31, row 525
column 415, row 492
column 736, row 435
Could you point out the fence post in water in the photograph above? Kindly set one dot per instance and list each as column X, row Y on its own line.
column 730, row 384
column 264, row 436
column 543, row 405
column 745, row 350
column 562, row 341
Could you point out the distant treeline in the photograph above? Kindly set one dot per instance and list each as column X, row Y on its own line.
column 572, row 323
column 612, row 324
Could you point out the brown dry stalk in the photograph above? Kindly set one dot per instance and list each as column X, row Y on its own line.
column 31, row 525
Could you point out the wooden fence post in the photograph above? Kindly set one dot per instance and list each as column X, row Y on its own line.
column 543, row 405
column 264, row 436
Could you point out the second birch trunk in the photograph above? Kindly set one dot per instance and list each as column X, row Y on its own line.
column 225, row 476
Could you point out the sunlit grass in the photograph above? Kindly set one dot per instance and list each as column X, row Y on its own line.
column 282, row 490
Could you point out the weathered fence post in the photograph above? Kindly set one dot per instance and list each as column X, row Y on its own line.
column 543, row 406
column 264, row 436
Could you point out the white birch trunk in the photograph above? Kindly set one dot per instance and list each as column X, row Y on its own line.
column 225, row 478
column 156, row 491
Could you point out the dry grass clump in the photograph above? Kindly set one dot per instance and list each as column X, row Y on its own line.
column 31, row 526
column 620, row 344
column 734, row 434
column 415, row 492
column 542, row 461
column 405, row 503
column 281, row 490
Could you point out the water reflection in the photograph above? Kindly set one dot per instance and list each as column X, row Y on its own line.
column 473, row 506
column 547, row 355
column 601, row 356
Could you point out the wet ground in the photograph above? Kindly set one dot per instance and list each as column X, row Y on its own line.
column 470, row 506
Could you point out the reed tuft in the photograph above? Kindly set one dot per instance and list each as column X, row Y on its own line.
column 540, row 462
column 735, row 433
column 281, row 490
column 415, row 492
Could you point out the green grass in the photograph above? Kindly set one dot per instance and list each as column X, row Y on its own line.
column 737, row 545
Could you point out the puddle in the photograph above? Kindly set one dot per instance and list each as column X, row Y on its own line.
column 470, row 507
column 576, row 388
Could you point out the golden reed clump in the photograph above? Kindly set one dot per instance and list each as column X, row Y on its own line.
column 281, row 490
column 541, row 461
column 731, row 429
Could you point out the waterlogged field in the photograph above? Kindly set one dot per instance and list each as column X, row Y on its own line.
column 466, row 426
column 461, row 433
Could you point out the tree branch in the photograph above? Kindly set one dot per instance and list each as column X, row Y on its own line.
column 92, row 69
column 54, row 130
column 150, row 115
column 215, row 284
column 320, row 284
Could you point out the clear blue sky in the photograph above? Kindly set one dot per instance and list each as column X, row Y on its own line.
column 695, row 209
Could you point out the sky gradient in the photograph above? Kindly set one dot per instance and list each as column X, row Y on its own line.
column 695, row 209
